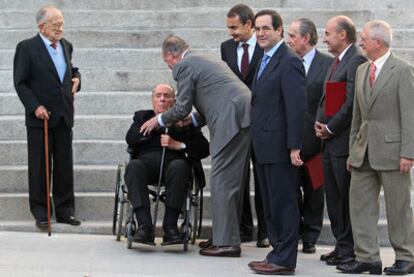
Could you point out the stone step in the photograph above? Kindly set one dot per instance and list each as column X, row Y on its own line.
column 87, row 103
column 107, row 79
column 126, row 59
column 167, row 5
column 205, row 37
column 194, row 17
column 95, row 152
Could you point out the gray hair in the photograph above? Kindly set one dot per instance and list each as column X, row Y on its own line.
column 171, row 88
column 41, row 15
column 381, row 30
column 306, row 26
column 174, row 44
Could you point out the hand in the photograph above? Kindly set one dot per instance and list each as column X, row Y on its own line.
column 348, row 167
column 295, row 157
column 321, row 131
column 405, row 165
column 170, row 143
column 42, row 113
column 75, row 86
column 185, row 121
column 149, row 126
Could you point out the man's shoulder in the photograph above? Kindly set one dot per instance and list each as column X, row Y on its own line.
column 143, row 115
column 29, row 41
column 228, row 44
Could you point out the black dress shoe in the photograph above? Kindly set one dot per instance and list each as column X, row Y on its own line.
column 263, row 243
column 340, row 259
column 308, row 248
column 172, row 236
column 205, row 243
column 359, row 267
column 400, row 267
column 41, row 223
column 221, row 251
column 144, row 235
column 329, row 255
column 69, row 220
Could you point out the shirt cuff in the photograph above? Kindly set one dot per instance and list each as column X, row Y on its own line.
column 329, row 131
column 159, row 119
column 194, row 120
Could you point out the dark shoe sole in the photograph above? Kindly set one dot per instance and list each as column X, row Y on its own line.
column 286, row 273
column 231, row 255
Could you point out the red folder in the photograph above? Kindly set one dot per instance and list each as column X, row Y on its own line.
column 314, row 167
column 335, row 93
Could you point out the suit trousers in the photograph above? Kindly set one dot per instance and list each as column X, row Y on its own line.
column 280, row 203
column 365, row 190
column 246, row 223
column 144, row 171
column 311, row 204
column 337, row 182
column 61, row 167
column 228, row 169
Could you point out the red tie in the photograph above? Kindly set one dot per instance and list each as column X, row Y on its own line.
column 245, row 61
column 54, row 45
column 372, row 70
column 334, row 66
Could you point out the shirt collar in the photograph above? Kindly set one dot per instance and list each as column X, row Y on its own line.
column 251, row 41
column 46, row 41
column 308, row 58
column 381, row 60
column 341, row 56
column 272, row 51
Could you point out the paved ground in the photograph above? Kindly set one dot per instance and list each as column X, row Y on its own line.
column 73, row 255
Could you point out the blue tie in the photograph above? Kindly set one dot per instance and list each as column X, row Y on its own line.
column 263, row 64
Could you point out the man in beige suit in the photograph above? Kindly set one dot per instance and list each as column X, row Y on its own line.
column 381, row 154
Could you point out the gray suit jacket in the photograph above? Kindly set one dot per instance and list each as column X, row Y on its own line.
column 222, row 101
column 383, row 117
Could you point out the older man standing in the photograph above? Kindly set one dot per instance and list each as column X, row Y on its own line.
column 222, row 102
column 303, row 38
column 381, row 154
column 340, row 36
column 46, row 83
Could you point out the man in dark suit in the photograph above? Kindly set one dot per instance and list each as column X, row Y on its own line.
column 242, row 54
column 143, row 169
column 46, row 83
column 222, row 102
column 340, row 36
column 303, row 38
column 278, row 99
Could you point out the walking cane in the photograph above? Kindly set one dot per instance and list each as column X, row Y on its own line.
column 157, row 199
column 46, row 129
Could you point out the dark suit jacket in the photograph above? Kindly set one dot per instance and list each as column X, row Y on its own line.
column 314, row 90
column 340, row 123
column 229, row 55
column 37, row 82
column 196, row 144
column 277, row 106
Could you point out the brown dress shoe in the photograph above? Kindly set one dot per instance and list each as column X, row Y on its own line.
column 272, row 269
column 221, row 251
column 256, row 263
column 205, row 243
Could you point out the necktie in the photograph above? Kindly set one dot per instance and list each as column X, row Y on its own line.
column 54, row 45
column 263, row 65
column 334, row 67
column 244, row 68
column 372, row 69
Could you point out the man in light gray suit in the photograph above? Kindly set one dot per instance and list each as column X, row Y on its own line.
column 381, row 154
column 222, row 102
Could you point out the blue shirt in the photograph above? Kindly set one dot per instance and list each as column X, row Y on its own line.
column 57, row 56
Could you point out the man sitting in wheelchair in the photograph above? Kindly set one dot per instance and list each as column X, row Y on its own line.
column 182, row 144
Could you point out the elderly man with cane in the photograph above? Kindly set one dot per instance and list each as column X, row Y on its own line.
column 161, row 156
column 46, row 83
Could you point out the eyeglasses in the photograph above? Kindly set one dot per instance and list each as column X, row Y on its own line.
column 56, row 26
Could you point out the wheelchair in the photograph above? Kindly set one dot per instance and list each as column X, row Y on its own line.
column 191, row 214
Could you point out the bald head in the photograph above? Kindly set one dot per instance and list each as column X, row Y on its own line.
column 46, row 13
column 345, row 24
column 50, row 22
column 339, row 34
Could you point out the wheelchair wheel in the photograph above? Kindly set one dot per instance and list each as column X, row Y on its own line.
column 196, row 212
column 122, row 200
column 116, row 200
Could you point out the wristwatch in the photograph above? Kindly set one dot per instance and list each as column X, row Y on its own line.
column 183, row 146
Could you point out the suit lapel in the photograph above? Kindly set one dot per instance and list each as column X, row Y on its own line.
column 273, row 62
column 44, row 55
column 314, row 71
column 386, row 73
